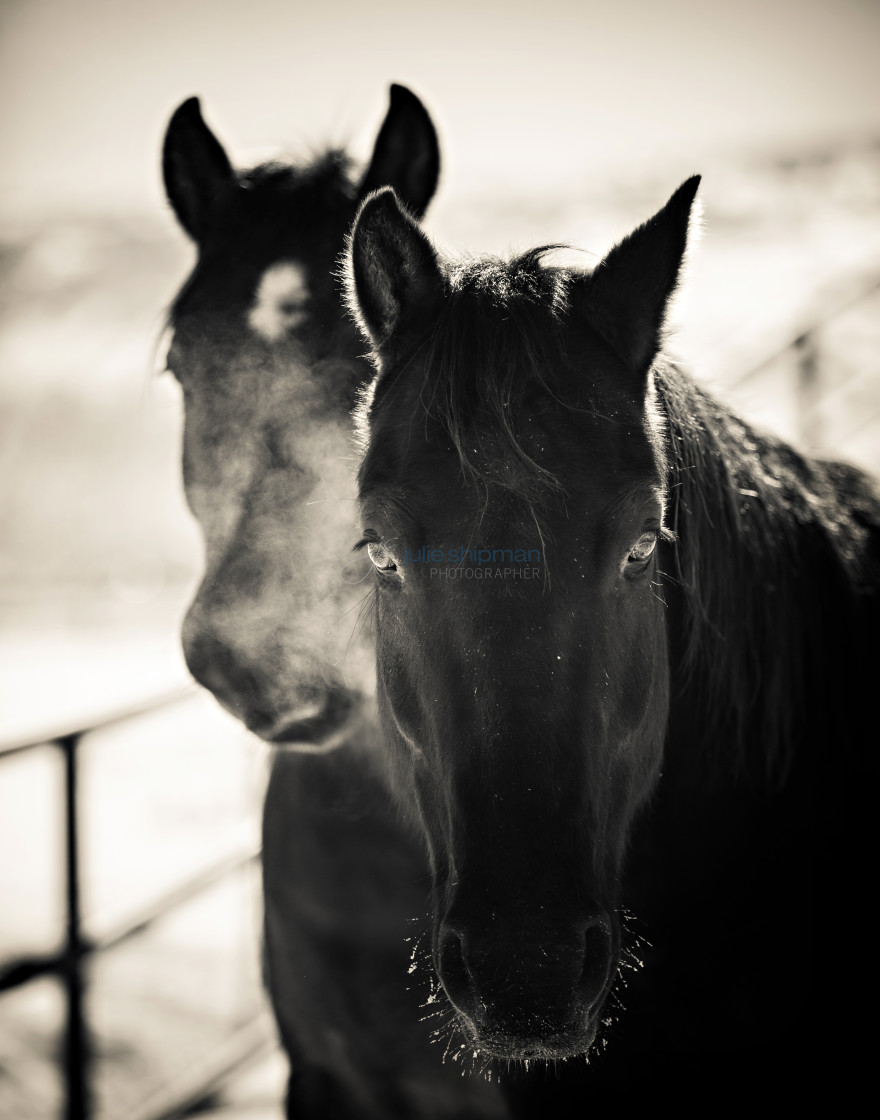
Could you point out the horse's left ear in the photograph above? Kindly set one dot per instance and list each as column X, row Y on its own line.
column 407, row 155
column 393, row 278
column 627, row 295
column 197, row 172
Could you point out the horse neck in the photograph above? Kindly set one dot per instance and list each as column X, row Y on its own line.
column 768, row 578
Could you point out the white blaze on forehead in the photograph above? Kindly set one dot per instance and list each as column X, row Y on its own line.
column 280, row 302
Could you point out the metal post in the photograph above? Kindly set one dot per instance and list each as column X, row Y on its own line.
column 76, row 1043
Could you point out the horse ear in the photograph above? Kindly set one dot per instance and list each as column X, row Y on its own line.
column 406, row 155
column 627, row 295
column 196, row 169
column 394, row 280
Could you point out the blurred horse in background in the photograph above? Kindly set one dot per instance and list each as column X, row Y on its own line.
column 663, row 736
column 269, row 368
column 269, row 365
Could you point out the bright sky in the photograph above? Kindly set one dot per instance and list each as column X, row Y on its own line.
column 532, row 92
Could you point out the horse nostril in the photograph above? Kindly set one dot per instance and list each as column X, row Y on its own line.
column 214, row 665
column 510, row 982
column 452, row 967
column 598, row 953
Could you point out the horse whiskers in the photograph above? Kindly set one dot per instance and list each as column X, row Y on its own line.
column 449, row 1031
column 354, row 606
column 367, row 605
column 547, row 584
column 629, row 961
column 364, row 604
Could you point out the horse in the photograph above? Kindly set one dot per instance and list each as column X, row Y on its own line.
column 269, row 365
column 269, row 368
column 626, row 655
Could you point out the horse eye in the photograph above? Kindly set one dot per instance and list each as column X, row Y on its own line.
column 382, row 559
column 642, row 549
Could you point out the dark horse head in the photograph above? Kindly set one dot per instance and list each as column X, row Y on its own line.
column 512, row 493
column 269, row 367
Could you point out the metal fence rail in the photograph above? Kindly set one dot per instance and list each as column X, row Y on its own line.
column 802, row 338
column 69, row 963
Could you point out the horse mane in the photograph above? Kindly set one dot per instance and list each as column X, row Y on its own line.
column 327, row 173
column 480, row 368
column 772, row 562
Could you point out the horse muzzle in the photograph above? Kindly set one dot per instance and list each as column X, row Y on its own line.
column 520, row 997
column 293, row 709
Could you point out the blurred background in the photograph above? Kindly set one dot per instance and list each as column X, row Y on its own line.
column 567, row 120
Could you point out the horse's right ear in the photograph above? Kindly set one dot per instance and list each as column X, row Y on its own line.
column 196, row 169
column 394, row 282
column 406, row 155
column 626, row 297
